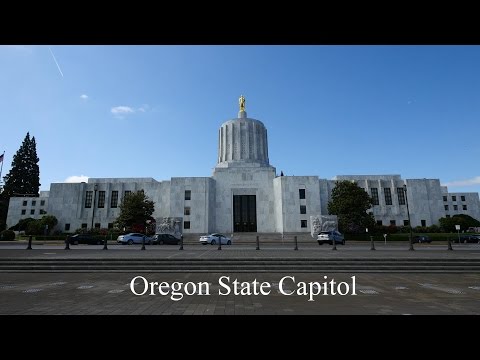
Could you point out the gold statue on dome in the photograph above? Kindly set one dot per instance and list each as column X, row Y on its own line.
column 241, row 102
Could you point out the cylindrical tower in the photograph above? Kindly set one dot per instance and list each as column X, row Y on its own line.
column 242, row 141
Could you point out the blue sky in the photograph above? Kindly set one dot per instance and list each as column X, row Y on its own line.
column 154, row 111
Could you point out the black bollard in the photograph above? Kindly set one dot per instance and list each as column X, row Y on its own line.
column 219, row 243
column 29, row 247
column 143, row 243
column 67, row 243
column 181, row 242
column 105, row 244
column 258, row 242
column 296, row 243
column 372, row 243
column 449, row 244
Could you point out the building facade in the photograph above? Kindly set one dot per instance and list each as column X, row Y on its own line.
column 244, row 194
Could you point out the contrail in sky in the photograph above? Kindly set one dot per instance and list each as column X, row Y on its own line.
column 51, row 52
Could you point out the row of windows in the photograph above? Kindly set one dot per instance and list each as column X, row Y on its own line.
column 32, row 212
column 388, row 196
column 101, row 198
column 455, row 207
column 85, row 226
column 34, row 202
column 405, row 222
column 454, row 198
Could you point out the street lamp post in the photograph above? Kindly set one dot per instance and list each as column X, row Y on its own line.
column 95, row 188
column 409, row 222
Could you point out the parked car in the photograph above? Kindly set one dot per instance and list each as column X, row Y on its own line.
column 213, row 239
column 468, row 239
column 160, row 239
column 133, row 238
column 421, row 239
column 84, row 239
column 329, row 237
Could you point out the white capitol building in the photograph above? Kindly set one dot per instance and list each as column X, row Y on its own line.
column 244, row 194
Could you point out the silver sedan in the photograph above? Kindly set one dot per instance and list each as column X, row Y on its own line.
column 213, row 239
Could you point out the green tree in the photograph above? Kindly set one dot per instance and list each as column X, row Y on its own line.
column 135, row 210
column 22, row 225
column 50, row 221
column 23, row 178
column 465, row 221
column 350, row 203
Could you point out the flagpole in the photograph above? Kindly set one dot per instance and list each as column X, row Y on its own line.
column 1, row 168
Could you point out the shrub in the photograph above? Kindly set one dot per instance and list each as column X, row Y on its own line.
column 7, row 235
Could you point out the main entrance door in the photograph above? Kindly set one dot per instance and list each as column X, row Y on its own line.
column 244, row 213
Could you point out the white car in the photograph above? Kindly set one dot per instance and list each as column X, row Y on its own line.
column 330, row 237
column 213, row 239
column 133, row 238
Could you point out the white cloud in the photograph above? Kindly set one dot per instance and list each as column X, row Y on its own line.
column 143, row 108
column 121, row 111
column 84, row 97
column 468, row 182
column 76, row 179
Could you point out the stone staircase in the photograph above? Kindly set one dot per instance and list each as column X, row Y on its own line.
column 264, row 238
column 239, row 265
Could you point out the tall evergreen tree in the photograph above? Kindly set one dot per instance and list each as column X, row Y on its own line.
column 24, row 176
column 350, row 202
column 135, row 210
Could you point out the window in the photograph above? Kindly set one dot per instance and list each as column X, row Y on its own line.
column 84, row 226
column 301, row 194
column 303, row 223
column 388, row 196
column 454, row 198
column 186, row 224
column 24, row 212
column 464, row 207
column 446, row 207
column 392, row 222
column 375, row 196
column 303, row 209
column 114, row 199
column 88, row 199
column 455, row 207
column 401, row 196
column 447, row 216
column 42, row 202
column 32, row 212
column 127, row 192
column 444, row 198
column 424, row 223
column 405, row 223
column 97, row 225
column 186, row 211
column 67, row 227
column 462, row 197
column 379, row 222
column 110, row 225
column 42, row 212
column 24, row 202
column 188, row 195
column 34, row 202
column 101, row 199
